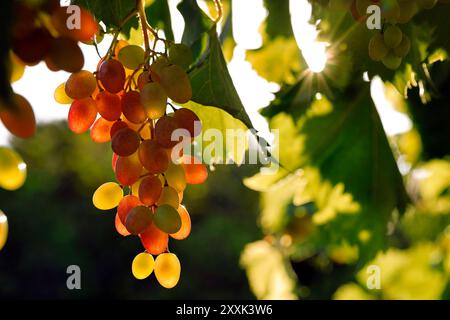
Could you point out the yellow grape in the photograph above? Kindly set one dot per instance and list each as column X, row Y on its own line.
column 142, row 265
column 185, row 229
column 170, row 197
column 17, row 68
column 81, row 84
column 61, row 96
column 377, row 48
column 176, row 83
column 3, row 229
column 181, row 55
column 393, row 36
column 157, row 66
column 175, row 177
column 107, row 196
column 13, row 171
column 167, row 270
column 154, row 99
column 131, row 56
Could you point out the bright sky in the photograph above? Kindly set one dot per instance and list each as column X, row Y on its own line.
column 38, row 83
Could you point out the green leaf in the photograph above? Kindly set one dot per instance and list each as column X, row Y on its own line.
column 212, row 84
column 349, row 168
column 269, row 273
column 278, row 22
column 233, row 149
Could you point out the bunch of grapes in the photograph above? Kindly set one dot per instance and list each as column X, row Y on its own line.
column 125, row 101
column 41, row 33
column 391, row 45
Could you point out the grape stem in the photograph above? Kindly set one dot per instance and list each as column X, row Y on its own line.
column 140, row 4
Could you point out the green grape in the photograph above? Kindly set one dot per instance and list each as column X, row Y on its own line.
column 167, row 270
column 377, row 47
column 138, row 219
column 403, row 48
column 61, row 96
column 157, row 66
column 153, row 157
column 393, row 36
column 131, row 56
column 107, row 196
column 176, row 83
column 150, row 189
column 169, row 196
column 407, row 10
column 13, row 171
column 80, row 85
column 391, row 11
column 180, row 54
column 154, row 100
column 142, row 265
column 3, row 229
column 167, row 219
column 175, row 177
column 391, row 61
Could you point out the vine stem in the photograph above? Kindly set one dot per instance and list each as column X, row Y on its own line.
column 140, row 4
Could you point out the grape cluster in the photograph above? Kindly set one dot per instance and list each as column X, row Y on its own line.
column 391, row 45
column 125, row 101
column 40, row 33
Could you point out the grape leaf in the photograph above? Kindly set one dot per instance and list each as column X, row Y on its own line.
column 212, row 84
column 347, row 145
column 278, row 22
column 196, row 21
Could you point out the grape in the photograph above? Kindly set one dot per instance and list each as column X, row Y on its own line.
column 167, row 270
column 107, row 196
column 125, row 142
column 163, row 131
column 126, row 204
column 153, row 157
column 167, row 219
column 176, row 83
column 392, row 61
column 157, row 66
column 13, row 171
column 188, row 120
column 119, row 124
column 114, row 159
column 391, row 11
column 132, row 107
column 82, row 114
column 138, row 219
column 120, row 44
column 180, row 54
column 154, row 240
column 100, row 131
column 3, row 229
column 81, row 85
column 392, row 36
column 18, row 118
column 407, row 10
column 377, row 47
column 33, row 47
column 131, row 56
column 111, row 74
column 128, row 170
column 175, row 177
column 87, row 29
column 64, row 54
column 149, row 191
column 154, row 100
column 195, row 172
column 185, row 229
column 108, row 105
column 61, row 96
column 120, row 228
column 403, row 48
column 169, row 196
column 17, row 68
column 143, row 79
column 142, row 265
